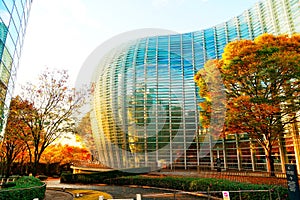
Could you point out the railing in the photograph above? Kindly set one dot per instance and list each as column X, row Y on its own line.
column 6, row 180
column 213, row 195
column 229, row 172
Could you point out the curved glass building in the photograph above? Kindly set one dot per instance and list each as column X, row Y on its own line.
column 145, row 111
column 13, row 21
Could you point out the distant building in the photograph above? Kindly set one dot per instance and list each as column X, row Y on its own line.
column 145, row 99
column 13, row 21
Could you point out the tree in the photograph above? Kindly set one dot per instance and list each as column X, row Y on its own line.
column 55, row 106
column 63, row 154
column 85, row 134
column 262, row 79
column 213, row 105
column 15, row 133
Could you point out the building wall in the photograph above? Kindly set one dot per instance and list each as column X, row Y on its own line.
column 145, row 101
column 238, row 151
column 13, row 21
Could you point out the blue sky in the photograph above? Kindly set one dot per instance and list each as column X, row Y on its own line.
column 62, row 33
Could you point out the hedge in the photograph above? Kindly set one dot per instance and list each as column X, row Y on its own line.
column 26, row 188
column 205, row 184
column 179, row 183
column 97, row 177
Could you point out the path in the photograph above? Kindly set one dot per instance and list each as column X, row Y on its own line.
column 130, row 192
column 115, row 191
column 57, row 195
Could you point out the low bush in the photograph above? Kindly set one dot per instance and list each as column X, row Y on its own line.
column 26, row 188
column 205, row 185
column 179, row 183
column 8, row 185
column 98, row 177
column 28, row 181
column 42, row 177
column 55, row 176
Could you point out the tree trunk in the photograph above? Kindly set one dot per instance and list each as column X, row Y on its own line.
column 37, row 157
column 8, row 168
column 35, row 166
column 1, row 167
column 270, row 162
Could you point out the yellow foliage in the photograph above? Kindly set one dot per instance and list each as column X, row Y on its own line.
column 89, row 194
column 233, row 50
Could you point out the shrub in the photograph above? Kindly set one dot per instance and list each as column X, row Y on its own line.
column 26, row 188
column 67, row 177
column 98, row 177
column 179, row 183
column 28, row 181
column 42, row 177
column 8, row 185
column 204, row 185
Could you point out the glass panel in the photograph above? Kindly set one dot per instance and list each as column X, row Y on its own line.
column 232, row 31
column 2, row 91
column 210, row 43
column 4, row 74
column 19, row 7
column 2, row 6
column 4, row 15
column 244, row 29
column 9, row 4
column 10, row 44
column 7, row 59
column 3, row 35
column 255, row 23
column 13, row 32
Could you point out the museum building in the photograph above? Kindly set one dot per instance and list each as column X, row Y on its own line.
column 145, row 102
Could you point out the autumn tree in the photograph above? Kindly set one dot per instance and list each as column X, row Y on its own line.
column 56, row 104
column 212, row 106
column 213, row 103
column 63, row 154
column 13, row 143
column 262, row 79
column 85, row 134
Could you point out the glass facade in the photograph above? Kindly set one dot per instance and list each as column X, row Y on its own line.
column 145, row 109
column 13, row 21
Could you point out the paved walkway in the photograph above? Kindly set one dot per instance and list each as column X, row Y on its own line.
column 57, row 195
column 130, row 192
column 55, row 191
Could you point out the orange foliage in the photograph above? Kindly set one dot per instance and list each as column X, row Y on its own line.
column 212, row 92
column 262, row 82
column 63, row 154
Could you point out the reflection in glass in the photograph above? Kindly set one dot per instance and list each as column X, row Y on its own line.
column 11, row 41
